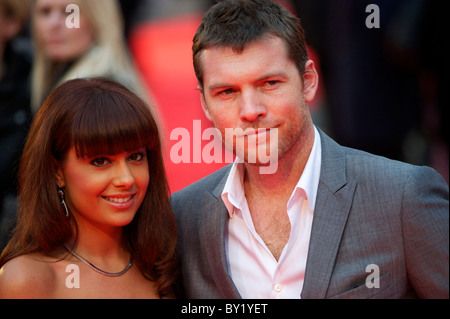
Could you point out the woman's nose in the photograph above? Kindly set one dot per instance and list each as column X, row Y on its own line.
column 123, row 176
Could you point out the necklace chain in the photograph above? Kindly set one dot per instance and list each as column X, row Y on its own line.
column 110, row 274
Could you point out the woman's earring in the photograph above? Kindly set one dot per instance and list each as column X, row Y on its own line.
column 63, row 202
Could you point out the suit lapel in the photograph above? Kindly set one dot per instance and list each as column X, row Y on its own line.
column 214, row 218
column 334, row 199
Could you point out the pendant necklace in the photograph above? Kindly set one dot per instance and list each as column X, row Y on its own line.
column 109, row 274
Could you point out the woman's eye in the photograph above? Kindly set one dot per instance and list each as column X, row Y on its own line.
column 99, row 162
column 137, row 157
column 44, row 11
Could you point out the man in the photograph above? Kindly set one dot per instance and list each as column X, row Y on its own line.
column 330, row 222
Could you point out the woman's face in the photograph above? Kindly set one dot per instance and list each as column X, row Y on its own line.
column 56, row 34
column 105, row 191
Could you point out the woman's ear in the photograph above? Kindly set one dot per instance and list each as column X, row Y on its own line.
column 59, row 174
column 310, row 81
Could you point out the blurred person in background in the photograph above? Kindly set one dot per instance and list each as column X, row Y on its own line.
column 96, row 48
column 15, row 66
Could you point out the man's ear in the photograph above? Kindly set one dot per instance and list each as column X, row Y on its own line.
column 204, row 105
column 310, row 81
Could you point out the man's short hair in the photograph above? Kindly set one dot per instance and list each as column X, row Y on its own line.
column 237, row 23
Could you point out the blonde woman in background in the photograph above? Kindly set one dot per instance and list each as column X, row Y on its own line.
column 96, row 48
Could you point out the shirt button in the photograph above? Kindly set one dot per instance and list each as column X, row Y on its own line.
column 278, row 287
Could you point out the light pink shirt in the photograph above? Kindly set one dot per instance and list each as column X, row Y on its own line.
column 254, row 270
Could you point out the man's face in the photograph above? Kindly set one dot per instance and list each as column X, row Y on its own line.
column 255, row 91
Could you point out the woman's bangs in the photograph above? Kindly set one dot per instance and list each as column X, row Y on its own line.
column 109, row 126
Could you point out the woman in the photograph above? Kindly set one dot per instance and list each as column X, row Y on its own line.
column 93, row 195
column 95, row 48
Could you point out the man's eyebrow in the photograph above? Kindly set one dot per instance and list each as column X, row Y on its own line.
column 281, row 74
column 218, row 86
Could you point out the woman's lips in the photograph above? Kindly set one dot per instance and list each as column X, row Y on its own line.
column 120, row 201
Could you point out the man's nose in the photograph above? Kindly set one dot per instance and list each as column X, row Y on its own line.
column 251, row 106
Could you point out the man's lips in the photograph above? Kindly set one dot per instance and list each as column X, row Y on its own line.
column 251, row 131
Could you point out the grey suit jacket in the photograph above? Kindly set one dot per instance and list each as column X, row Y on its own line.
column 380, row 230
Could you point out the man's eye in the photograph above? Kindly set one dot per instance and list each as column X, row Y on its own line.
column 99, row 162
column 226, row 92
column 271, row 83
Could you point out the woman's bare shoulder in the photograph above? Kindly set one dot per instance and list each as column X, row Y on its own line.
column 27, row 276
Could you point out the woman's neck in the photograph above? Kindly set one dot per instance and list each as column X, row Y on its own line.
column 102, row 247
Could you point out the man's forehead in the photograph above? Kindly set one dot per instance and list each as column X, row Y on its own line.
column 261, row 54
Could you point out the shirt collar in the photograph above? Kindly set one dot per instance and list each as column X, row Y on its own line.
column 309, row 181
column 233, row 194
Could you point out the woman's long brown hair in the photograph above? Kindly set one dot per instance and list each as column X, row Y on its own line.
column 96, row 116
